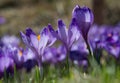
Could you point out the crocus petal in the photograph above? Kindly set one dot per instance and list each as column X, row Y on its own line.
column 84, row 19
column 34, row 41
column 28, row 54
column 73, row 32
column 44, row 40
column 24, row 38
column 62, row 31
column 115, row 51
column 53, row 32
column 29, row 31
column 52, row 39
column 83, row 14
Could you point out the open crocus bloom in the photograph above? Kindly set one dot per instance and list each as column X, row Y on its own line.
column 37, row 43
column 67, row 37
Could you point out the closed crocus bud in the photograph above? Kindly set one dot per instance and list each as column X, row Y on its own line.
column 84, row 19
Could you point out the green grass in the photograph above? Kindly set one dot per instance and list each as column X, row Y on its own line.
column 108, row 74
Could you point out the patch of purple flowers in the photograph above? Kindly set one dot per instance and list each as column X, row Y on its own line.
column 77, row 42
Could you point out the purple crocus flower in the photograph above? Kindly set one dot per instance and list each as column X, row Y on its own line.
column 112, row 42
column 38, row 43
column 96, row 36
column 14, row 53
column 67, row 37
column 84, row 19
column 54, row 55
column 6, row 65
column 100, row 37
column 18, row 57
column 105, row 37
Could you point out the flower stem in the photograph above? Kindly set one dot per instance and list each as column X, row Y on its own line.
column 67, row 64
column 41, row 74
column 5, row 77
column 91, row 59
column 89, row 49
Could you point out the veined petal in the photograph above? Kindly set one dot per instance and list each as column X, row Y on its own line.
column 52, row 38
column 51, row 41
column 53, row 32
column 62, row 31
column 28, row 54
column 34, row 41
column 24, row 38
column 73, row 32
column 44, row 40
column 29, row 31
column 83, row 14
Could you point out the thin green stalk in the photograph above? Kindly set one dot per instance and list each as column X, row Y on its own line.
column 67, row 64
column 91, row 59
column 5, row 77
column 41, row 74
column 37, row 75
column 89, row 49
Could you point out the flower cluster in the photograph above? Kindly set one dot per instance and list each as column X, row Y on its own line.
column 78, row 43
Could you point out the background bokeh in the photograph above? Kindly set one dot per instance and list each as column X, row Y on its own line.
column 19, row 14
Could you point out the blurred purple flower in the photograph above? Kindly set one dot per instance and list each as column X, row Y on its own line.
column 79, row 58
column 79, row 53
column 112, row 42
column 96, row 36
column 29, row 59
column 54, row 55
column 6, row 65
column 12, row 40
column 2, row 20
column 14, row 53
column 105, row 37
